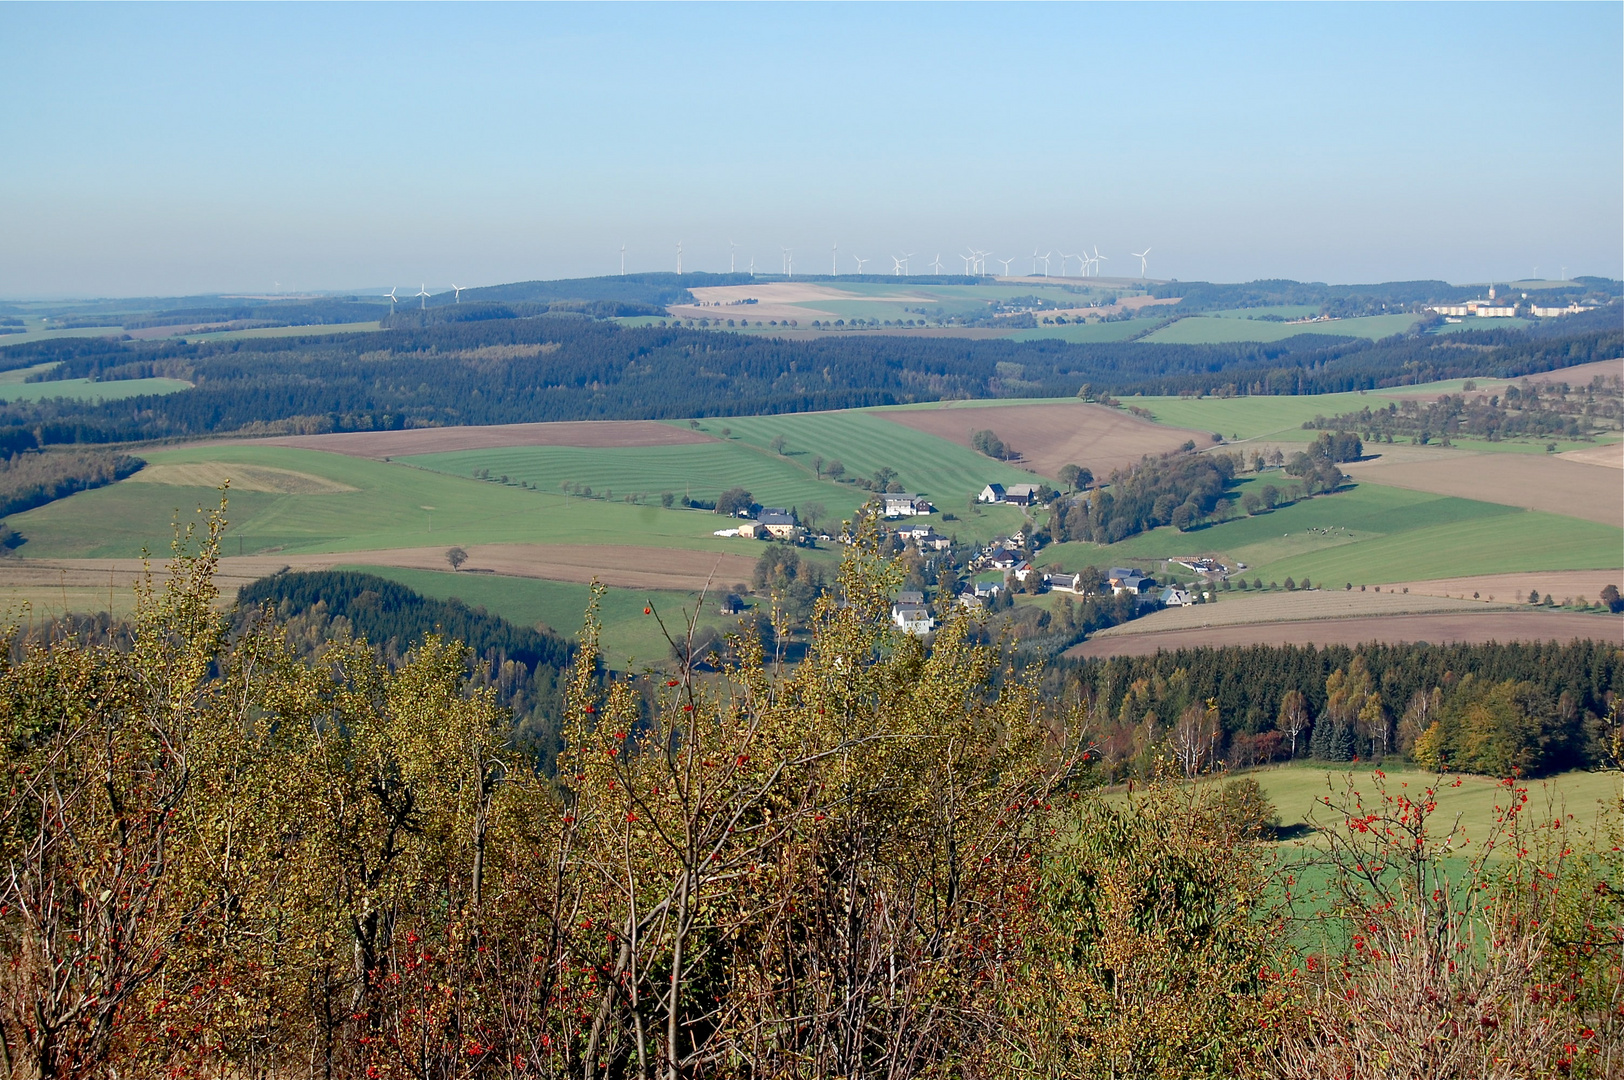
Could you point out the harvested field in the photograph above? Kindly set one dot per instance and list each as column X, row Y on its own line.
column 1580, row 374
column 1050, row 436
column 585, row 433
column 1236, row 609
column 1609, row 456
column 1441, row 628
column 1529, row 481
column 243, row 478
column 1561, row 584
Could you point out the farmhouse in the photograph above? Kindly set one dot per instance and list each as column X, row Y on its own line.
column 1072, row 583
column 1003, row 559
column 913, row 618
column 1023, row 570
column 1021, row 494
column 1173, row 596
column 992, row 493
column 986, row 590
column 778, row 523
column 907, row 506
column 1127, row 580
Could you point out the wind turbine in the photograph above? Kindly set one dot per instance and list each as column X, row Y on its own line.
column 834, row 260
column 789, row 262
column 1034, row 262
column 1140, row 255
column 937, row 265
column 968, row 260
column 732, row 253
column 1098, row 258
column 622, row 260
column 860, row 261
column 896, row 266
column 1064, row 258
column 458, row 290
column 1006, row 263
column 423, row 297
column 905, row 259
column 679, row 258
column 752, row 266
column 391, row 299
column 1045, row 259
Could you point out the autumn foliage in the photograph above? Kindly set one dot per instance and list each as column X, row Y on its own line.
column 892, row 860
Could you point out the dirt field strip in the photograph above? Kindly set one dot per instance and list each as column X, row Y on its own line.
column 583, row 433
column 1514, row 588
column 1437, row 629
column 1236, row 609
column 1529, row 481
column 1050, row 436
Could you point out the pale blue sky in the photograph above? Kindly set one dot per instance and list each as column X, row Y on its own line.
column 191, row 148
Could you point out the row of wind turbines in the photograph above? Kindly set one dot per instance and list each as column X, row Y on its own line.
column 423, row 294
column 975, row 261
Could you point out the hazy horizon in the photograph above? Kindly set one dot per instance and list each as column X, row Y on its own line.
column 174, row 150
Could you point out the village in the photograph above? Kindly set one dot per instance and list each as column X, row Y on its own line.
column 996, row 569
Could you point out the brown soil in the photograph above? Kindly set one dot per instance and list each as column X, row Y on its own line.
column 1580, row 374
column 1609, row 455
column 1531, row 481
column 1473, row 628
column 1050, row 436
column 587, row 433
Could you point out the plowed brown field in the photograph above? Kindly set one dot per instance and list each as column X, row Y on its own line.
column 1438, row 629
column 1530, row 481
column 587, row 433
column 1514, row 588
column 1050, row 436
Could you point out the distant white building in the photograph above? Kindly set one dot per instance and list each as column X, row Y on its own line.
column 1072, row 583
column 1553, row 312
column 913, row 619
column 907, row 506
column 1173, row 596
column 992, row 493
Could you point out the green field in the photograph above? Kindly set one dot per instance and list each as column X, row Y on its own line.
column 629, row 638
column 1086, row 334
column 1295, row 789
column 386, row 511
column 699, row 470
column 1373, row 534
column 1285, row 311
column 14, row 388
column 863, row 441
column 1218, row 330
column 1280, row 417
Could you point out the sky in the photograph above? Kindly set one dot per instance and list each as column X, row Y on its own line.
column 199, row 148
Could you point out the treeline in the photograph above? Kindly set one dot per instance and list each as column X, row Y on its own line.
column 1345, row 300
column 28, row 480
column 521, row 666
column 1534, row 706
column 1529, row 411
column 508, row 370
column 1173, row 489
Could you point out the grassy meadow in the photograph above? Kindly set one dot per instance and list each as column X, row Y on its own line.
column 1371, row 534
column 1085, row 334
column 629, row 638
column 1219, row 330
column 14, row 387
column 393, row 505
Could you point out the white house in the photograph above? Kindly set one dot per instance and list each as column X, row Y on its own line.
column 1072, row 583
column 913, row 618
column 1173, row 596
column 907, row 506
column 1023, row 570
column 992, row 493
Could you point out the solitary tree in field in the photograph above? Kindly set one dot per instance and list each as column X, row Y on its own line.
column 817, row 465
column 834, row 470
column 456, row 557
column 778, row 444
